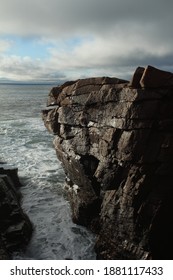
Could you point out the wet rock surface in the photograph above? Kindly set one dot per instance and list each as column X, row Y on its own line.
column 15, row 227
column 115, row 141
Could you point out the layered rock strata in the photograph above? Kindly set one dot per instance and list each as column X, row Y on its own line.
column 115, row 141
column 15, row 227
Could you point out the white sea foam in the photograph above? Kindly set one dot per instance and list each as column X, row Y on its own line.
column 25, row 143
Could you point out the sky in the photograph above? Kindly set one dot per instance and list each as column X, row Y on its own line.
column 59, row 40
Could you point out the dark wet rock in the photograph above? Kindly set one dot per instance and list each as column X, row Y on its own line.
column 115, row 142
column 15, row 227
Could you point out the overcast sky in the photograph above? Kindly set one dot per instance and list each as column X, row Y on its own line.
column 52, row 40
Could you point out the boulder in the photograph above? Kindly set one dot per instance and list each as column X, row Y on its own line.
column 156, row 78
column 135, row 81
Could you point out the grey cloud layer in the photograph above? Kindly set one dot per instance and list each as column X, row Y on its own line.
column 126, row 33
column 57, row 17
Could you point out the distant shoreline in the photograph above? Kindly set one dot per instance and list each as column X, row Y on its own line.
column 28, row 84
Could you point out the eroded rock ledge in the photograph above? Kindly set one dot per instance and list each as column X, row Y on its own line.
column 115, row 141
column 15, row 227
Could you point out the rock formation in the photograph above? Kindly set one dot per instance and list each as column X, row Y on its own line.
column 15, row 227
column 115, row 141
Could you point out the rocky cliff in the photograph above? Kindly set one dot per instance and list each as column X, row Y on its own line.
column 115, row 141
column 15, row 227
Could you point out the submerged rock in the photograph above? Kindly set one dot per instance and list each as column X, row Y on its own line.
column 115, row 141
column 15, row 227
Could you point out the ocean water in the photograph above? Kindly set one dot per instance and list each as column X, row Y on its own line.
column 26, row 144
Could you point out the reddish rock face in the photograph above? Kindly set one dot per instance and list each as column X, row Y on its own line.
column 155, row 78
column 151, row 77
column 115, row 142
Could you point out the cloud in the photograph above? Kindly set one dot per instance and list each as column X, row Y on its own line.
column 110, row 55
column 67, row 17
column 5, row 45
column 18, row 68
column 84, row 38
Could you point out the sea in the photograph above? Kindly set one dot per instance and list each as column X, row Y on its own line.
column 26, row 144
